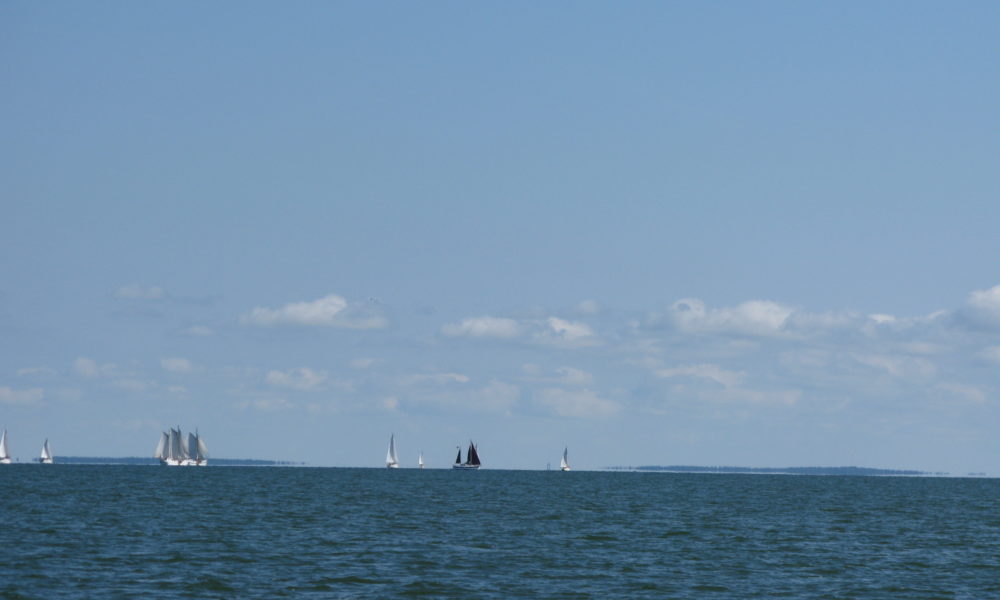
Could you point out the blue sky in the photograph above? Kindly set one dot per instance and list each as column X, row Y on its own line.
column 755, row 233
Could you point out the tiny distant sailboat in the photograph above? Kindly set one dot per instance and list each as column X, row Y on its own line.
column 564, row 461
column 471, row 458
column 391, row 460
column 4, row 454
column 420, row 461
column 46, row 457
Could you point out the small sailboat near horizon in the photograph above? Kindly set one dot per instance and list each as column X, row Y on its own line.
column 391, row 460
column 174, row 451
column 46, row 456
column 564, row 461
column 420, row 461
column 4, row 454
column 471, row 458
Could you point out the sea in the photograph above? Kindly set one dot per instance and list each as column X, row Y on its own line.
column 114, row 531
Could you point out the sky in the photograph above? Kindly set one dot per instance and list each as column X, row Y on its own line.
column 673, row 233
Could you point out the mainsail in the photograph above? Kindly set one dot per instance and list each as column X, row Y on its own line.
column 420, row 461
column 4, row 454
column 473, row 455
column 564, row 462
column 46, row 457
column 391, row 460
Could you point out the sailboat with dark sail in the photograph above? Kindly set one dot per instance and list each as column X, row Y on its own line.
column 471, row 458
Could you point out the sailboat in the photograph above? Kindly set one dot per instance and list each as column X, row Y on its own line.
column 420, row 461
column 197, row 452
column 4, row 454
column 174, row 451
column 564, row 461
column 46, row 457
column 471, row 458
column 391, row 461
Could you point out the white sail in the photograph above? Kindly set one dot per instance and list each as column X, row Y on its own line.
column 420, row 461
column 564, row 461
column 161, row 448
column 46, row 457
column 4, row 454
column 202, row 452
column 183, row 452
column 391, row 460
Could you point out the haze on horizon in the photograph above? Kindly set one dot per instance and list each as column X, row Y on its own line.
column 754, row 234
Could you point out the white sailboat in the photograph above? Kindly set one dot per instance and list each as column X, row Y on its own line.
column 46, row 457
column 391, row 460
column 420, row 461
column 564, row 461
column 173, row 450
column 4, row 454
column 471, row 458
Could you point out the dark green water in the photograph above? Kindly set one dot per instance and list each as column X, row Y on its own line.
column 230, row 532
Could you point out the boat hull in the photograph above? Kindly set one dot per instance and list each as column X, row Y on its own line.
column 465, row 467
column 4, row 461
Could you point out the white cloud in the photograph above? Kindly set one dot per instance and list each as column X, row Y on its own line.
column 302, row 379
column 29, row 396
column 755, row 317
column 176, row 365
column 140, row 292
column 329, row 311
column 566, row 333
column 573, row 376
column 705, row 371
column 584, row 403
column 483, row 327
column 983, row 307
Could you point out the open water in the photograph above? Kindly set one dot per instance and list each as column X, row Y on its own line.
column 71, row 531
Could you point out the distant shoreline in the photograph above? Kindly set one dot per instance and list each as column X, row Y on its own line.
column 855, row 471
column 138, row 460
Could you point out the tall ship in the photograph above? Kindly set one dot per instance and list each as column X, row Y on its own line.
column 471, row 458
column 174, row 450
column 4, row 454
column 391, row 460
column 46, row 456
